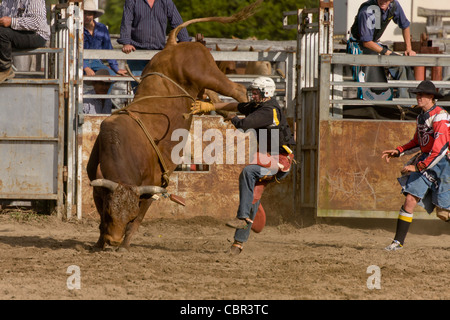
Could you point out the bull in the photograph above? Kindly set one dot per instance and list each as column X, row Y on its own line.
column 130, row 161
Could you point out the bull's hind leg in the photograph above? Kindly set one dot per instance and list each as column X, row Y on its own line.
column 220, row 83
column 134, row 225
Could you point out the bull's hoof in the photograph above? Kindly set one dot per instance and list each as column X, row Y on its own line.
column 96, row 248
column 123, row 249
column 99, row 246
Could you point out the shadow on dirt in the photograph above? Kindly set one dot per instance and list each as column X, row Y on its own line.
column 433, row 227
column 39, row 242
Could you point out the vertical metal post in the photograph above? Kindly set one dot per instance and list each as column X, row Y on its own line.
column 79, row 106
column 290, row 84
column 67, row 33
column 314, row 45
column 70, row 75
column 61, row 135
column 325, row 87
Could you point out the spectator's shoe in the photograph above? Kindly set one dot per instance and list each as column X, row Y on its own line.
column 395, row 245
column 6, row 74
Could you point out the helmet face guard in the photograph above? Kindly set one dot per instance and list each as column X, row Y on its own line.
column 265, row 85
column 251, row 96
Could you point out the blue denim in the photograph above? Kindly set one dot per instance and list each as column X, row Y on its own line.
column 431, row 186
column 96, row 64
column 398, row 73
column 242, row 235
column 247, row 180
column 136, row 68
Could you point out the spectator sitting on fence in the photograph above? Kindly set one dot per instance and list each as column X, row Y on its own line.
column 371, row 21
column 23, row 25
column 96, row 36
column 97, row 105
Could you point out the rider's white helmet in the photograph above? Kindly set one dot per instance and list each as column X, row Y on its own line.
column 266, row 85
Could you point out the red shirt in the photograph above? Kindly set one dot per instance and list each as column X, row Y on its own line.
column 432, row 136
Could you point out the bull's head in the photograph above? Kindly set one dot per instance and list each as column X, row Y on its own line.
column 120, row 207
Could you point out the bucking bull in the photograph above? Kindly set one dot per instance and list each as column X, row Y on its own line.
column 131, row 158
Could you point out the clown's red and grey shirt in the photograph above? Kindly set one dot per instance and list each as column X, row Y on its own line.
column 432, row 136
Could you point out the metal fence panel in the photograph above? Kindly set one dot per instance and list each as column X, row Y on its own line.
column 29, row 141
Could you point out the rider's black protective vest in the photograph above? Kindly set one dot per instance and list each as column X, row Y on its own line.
column 378, row 32
column 263, row 113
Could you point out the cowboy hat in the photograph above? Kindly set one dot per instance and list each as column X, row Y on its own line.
column 90, row 5
column 427, row 87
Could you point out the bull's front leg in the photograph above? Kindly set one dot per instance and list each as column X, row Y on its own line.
column 101, row 244
column 134, row 225
column 99, row 205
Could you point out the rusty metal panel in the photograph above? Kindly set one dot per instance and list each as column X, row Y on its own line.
column 28, row 169
column 29, row 135
column 353, row 179
column 28, row 111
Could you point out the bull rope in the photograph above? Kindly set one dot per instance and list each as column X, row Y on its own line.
column 165, row 174
column 185, row 95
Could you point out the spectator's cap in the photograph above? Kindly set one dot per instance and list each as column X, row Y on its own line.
column 427, row 87
column 90, row 5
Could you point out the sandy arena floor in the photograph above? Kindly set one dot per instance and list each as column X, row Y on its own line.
column 189, row 259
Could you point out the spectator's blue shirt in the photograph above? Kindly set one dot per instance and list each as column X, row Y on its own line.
column 366, row 33
column 99, row 40
column 145, row 27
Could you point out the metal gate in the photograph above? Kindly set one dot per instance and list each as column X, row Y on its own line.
column 32, row 136
column 38, row 124
column 315, row 39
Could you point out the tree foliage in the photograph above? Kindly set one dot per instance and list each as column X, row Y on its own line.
column 267, row 23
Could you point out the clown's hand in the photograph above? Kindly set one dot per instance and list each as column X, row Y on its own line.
column 202, row 107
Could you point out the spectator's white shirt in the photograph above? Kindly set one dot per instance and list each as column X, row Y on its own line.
column 96, row 106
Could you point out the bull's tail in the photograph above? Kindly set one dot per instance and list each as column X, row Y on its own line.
column 94, row 161
column 245, row 13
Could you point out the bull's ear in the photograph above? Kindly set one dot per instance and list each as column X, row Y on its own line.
column 105, row 183
column 150, row 190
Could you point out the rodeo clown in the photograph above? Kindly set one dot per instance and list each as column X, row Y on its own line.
column 426, row 177
column 263, row 114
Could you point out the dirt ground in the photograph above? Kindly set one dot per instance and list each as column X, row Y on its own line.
column 189, row 259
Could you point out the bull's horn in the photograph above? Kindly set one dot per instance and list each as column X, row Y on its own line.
column 111, row 185
column 150, row 190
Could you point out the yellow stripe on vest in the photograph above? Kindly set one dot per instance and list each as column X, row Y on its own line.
column 288, row 150
column 275, row 117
